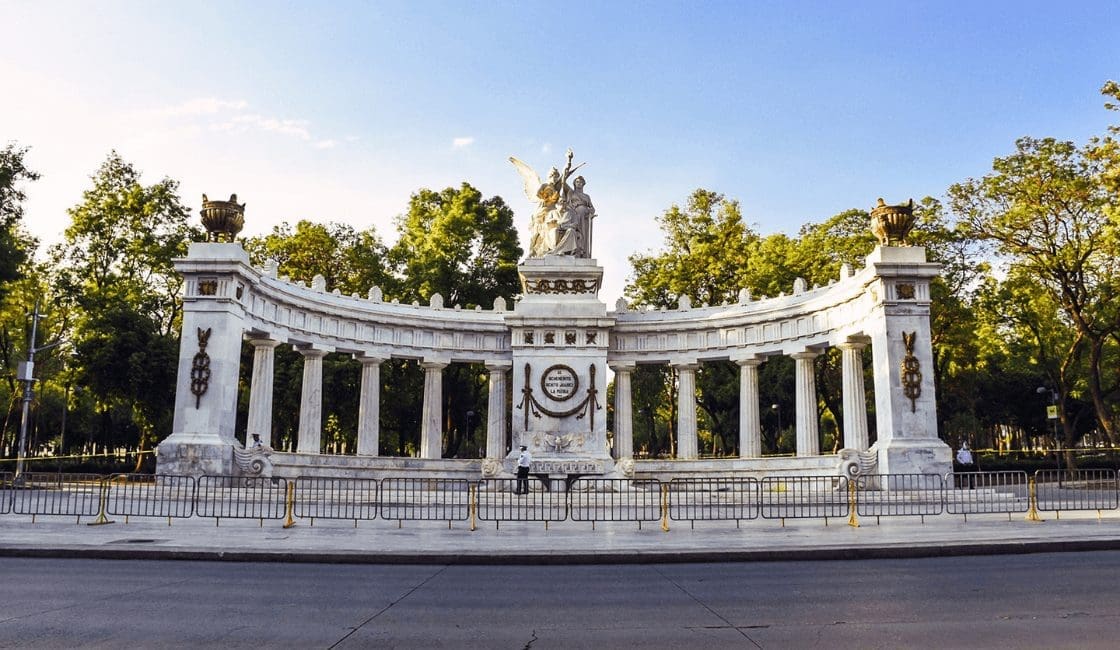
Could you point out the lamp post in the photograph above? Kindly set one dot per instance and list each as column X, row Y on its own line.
column 777, row 408
column 1052, row 415
column 26, row 374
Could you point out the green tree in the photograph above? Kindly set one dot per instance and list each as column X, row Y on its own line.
column 1048, row 210
column 120, row 293
column 349, row 260
column 16, row 245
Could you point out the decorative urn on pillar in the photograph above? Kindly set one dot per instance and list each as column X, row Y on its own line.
column 892, row 223
column 222, row 219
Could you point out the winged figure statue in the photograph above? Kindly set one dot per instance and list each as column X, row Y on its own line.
column 561, row 224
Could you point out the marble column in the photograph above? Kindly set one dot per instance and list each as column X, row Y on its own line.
column 750, row 421
column 808, row 436
column 431, row 428
column 496, row 409
column 260, row 392
column 855, row 398
column 623, row 412
column 311, row 402
column 687, row 444
column 369, row 406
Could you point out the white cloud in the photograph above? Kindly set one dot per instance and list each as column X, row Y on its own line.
column 463, row 142
column 325, row 144
column 202, row 106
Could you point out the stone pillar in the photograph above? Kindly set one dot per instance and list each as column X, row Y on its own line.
column 431, row 428
column 311, row 402
column 687, row 445
column 260, row 392
column 496, row 409
column 855, row 398
column 623, row 412
column 369, row 406
column 750, row 424
column 808, row 435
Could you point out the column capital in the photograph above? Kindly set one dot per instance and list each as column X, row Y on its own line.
column 685, row 365
column 433, row 364
column 623, row 366
column 749, row 360
column 370, row 359
column 267, row 344
column 806, row 354
column 498, row 365
column 853, row 343
column 312, row 352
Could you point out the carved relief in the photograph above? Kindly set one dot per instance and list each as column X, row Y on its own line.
column 549, row 338
column 528, row 337
column 591, row 337
column 911, row 371
column 200, row 368
column 570, row 338
column 207, row 287
column 561, row 286
column 905, row 291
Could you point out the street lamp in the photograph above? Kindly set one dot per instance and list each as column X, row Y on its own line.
column 26, row 374
column 777, row 408
column 1052, row 415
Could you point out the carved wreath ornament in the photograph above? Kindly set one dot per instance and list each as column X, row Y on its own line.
column 200, row 368
column 911, row 371
column 586, row 407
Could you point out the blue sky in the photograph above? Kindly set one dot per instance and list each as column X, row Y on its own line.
column 339, row 111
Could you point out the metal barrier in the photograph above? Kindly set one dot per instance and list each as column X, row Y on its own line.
column 614, row 499
column 1079, row 489
column 899, row 495
column 145, row 495
column 968, row 493
column 803, row 497
column 6, row 491
column 336, row 498
column 712, row 499
column 425, row 499
column 498, row 501
column 52, row 493
column 232, row 497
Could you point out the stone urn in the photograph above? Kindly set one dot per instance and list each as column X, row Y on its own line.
column 892, row 223
column 222, row 219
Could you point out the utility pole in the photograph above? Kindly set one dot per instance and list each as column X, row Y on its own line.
column 26, row 374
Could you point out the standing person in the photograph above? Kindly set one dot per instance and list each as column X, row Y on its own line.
column 523, row 462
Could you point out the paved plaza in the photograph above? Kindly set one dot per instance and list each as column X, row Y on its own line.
column 560, row 543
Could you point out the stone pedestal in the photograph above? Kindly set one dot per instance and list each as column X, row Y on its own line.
column 560, row 335
column 202, row 433
column 905, row 404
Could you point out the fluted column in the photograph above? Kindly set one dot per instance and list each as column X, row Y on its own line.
column 687, row 445
column 311, row 402
column 431, row 428
column 496, row 409
column 260, row 392
column 623, row 412
column 808, row 438
column 750, row 421
column 369, row 406
column 855, row 398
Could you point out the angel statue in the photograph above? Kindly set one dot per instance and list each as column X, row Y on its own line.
column 561, row 224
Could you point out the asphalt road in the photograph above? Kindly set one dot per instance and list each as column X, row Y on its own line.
column 1017, row 601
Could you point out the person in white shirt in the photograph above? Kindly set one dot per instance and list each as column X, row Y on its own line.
column 524, row 461
column 964, row 455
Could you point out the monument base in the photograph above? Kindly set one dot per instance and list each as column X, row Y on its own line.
column 914, row 457
column 195, row 455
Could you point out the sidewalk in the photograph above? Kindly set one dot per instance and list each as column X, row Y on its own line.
column 562, row 543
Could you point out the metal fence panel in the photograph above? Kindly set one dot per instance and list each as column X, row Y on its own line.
column 147, row 495
column 5, row 492
column 497, row 500
column 711, row 499
column 803, row 497
column 614, row 499
column 1079, row 489
column 896, row 495
column 336, row 498
column 425, row 499
column 968, row 493
column 53, row 493
column 234, row 497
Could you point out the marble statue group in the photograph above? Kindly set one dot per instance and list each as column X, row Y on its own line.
column 561, row 224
